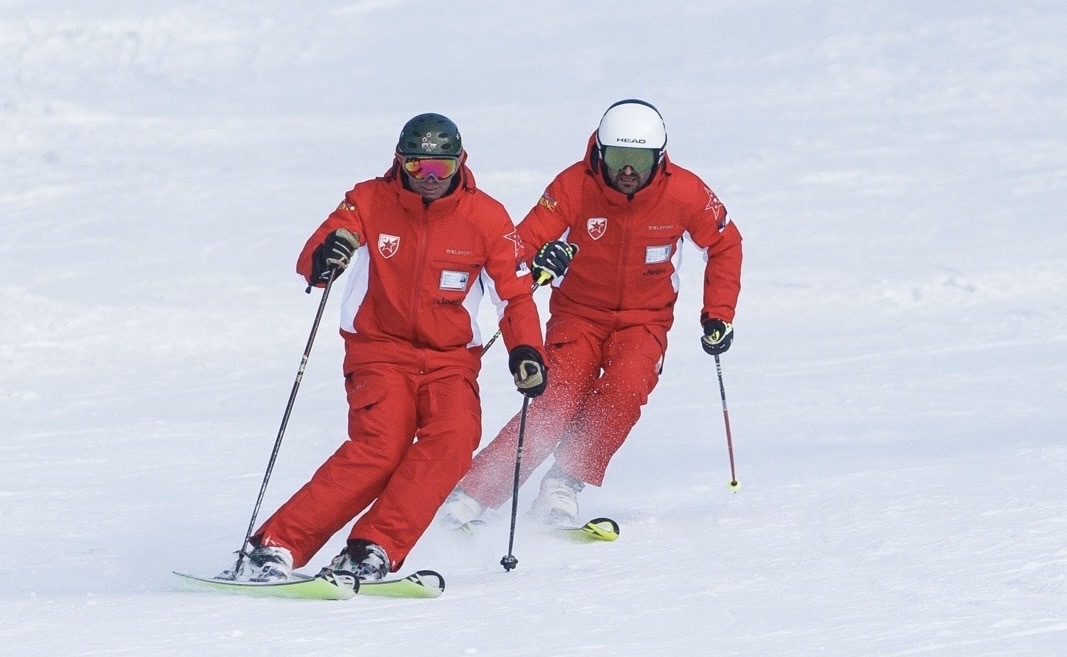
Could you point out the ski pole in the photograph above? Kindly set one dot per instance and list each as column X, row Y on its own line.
column 285, row 418
column 509, row 561
column 734, row 483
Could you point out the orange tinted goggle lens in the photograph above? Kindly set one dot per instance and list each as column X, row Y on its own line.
column 421, row 168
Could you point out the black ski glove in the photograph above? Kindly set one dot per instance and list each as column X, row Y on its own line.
column 335, row 253
column 531, row 375
column 717, row 336
column 552, row 261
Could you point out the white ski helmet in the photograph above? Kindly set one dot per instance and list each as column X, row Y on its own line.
column 632, row 123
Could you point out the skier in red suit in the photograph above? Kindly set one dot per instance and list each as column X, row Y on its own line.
column 425, row 244
column 608, row 233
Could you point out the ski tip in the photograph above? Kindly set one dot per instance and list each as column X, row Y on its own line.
column 470, row 528
column 604, row 529
column 606, row 524
column 199, row 578
column 419, row 584
column 431, row 580
column 597, row 529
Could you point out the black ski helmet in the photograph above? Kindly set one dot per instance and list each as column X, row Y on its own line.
column 429, row 135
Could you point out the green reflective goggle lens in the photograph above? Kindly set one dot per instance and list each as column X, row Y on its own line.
column 618, row 158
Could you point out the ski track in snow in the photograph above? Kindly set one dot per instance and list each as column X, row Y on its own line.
column 898, row 171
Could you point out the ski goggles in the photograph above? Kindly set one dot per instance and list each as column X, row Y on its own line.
column 641, row 160
column 421, row 168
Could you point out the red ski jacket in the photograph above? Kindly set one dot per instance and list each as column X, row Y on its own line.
column 629, row 248
column 416, row 281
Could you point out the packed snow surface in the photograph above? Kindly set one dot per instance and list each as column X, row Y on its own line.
column 896, row 387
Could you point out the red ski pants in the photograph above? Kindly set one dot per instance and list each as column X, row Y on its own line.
column 599, row 378
column 411, row 437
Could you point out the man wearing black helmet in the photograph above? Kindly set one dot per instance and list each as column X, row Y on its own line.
column 607, row 233
column 424, row 244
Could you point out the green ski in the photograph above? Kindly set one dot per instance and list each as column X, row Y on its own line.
column 420, row 584
column 597, row 529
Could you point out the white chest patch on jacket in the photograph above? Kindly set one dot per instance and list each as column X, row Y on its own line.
column 454, row 280
column 656, row 254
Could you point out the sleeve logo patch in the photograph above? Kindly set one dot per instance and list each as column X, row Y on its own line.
column 513, row 236
column 716, row 207
column 547, row 202
column 714, row 204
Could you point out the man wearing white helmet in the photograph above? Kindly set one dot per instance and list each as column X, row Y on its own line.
column 607, row 234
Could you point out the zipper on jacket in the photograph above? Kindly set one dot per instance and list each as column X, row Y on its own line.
column 627, row 234
column 420, row 266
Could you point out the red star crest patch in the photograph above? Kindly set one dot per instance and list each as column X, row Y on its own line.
column 388, row 245
column 596, row 227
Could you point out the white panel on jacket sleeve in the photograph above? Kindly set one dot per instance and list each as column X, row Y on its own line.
column 676, row 262
column 355, row 289
column 471, row 303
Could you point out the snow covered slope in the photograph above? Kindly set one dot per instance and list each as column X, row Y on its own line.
column 898, row 170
